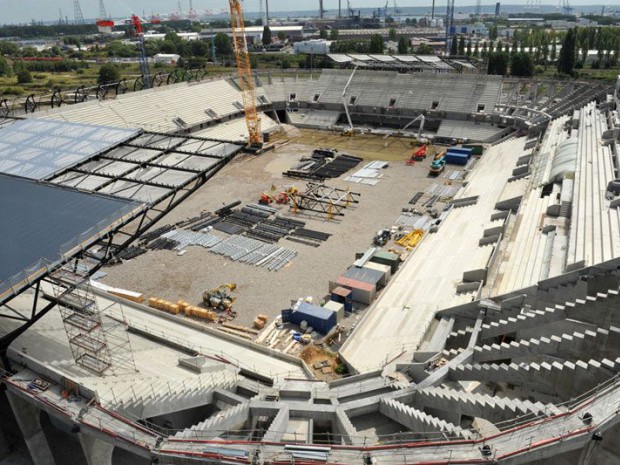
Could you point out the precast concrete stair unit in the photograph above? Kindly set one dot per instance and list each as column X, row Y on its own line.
column 453, row 403
column 154, row 397
column 418, row 421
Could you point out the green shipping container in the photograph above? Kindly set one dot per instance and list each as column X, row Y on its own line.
column 386, row 258
column 476, row 149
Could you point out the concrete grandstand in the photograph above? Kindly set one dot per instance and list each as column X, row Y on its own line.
column 497, row 341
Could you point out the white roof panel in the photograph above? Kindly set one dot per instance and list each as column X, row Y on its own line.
column 360, row 57
column 406, row 58
column 339, row 57
column 383, row 58
column 37, row 149
column 429, row 58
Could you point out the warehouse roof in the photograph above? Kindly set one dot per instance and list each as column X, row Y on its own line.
column 42, row 222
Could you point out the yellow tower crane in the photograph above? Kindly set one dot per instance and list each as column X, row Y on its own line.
column 244, row 70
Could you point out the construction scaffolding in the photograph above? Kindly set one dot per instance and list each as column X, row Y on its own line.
column 320, row 198
column 98, row 338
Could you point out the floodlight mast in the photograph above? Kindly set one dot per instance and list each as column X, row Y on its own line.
column 244, row 71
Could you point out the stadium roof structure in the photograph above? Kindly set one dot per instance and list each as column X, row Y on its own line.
column 44, row 223
column 36, row 149
column 498, row 343
column 409, row 62
column 72, row 190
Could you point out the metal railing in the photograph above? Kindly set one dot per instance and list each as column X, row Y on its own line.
column 149, row 435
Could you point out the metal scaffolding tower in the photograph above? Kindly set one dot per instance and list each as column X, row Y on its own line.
column 77, row 12
column 103, row 14
column 98, row 338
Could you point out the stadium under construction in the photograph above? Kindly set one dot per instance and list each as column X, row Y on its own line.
column 496, row 340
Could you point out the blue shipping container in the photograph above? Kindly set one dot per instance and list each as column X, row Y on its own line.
column 321, row 319
column 462, row 150
column 456, row 158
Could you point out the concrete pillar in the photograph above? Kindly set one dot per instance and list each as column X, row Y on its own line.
column 5, row 448
column 29, row 421
column 96, row 451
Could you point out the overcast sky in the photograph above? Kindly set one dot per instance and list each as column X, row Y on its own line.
column 13, row 11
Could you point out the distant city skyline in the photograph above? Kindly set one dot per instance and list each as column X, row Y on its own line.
column 23, row 11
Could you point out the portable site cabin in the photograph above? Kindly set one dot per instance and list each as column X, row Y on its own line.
column 337, row 308
column 385, row 270
column 343, row 296
column 361, row 291
column 386, row 258
column 364, row 274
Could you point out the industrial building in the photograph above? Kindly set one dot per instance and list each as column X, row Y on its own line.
column 495, row 341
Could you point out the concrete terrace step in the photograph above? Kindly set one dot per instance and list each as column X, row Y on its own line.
column 215, row 425
column 350, row 435
column 599, row 309
column 459, row 338
column 278, row 426
column 418, row 421
column 492, row 408
column 159, row 397
column 530, row 319
column 563, row 379
column 575, row 345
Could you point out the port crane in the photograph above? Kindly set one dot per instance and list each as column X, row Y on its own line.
column 106, row 25
column 244, row 71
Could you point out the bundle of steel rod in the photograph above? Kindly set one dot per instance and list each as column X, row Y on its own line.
column 415, row 198
column 155, row 233
column 312, row 234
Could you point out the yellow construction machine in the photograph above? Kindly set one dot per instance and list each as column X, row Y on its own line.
column 220, row 298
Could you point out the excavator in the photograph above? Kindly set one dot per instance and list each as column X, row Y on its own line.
column 438, row 164
column 220, row 298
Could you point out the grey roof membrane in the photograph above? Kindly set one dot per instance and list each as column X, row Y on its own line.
column 37, row 149
column 40, row 221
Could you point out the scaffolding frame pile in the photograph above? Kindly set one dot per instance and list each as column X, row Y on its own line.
column 320, row 198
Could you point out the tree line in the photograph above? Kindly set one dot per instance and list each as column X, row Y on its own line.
column 536, row 46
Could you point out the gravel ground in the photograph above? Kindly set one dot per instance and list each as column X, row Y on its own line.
column 165, row 275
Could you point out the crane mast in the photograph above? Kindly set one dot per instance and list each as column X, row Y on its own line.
column 244, row 70
column 144, row 64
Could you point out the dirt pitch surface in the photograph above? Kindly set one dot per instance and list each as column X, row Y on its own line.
column 166, row 275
